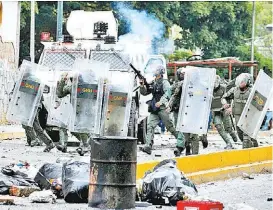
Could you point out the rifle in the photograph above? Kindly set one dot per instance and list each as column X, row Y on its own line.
column 137, row 72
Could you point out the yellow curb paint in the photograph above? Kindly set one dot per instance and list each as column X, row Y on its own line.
column 204, row 162
column 229, row 172
column 11, row 135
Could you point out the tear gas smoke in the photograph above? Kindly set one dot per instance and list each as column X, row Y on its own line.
column 143, row 31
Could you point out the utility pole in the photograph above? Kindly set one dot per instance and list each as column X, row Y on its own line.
column 32, row 32
column 59, row 36
column 252, row 36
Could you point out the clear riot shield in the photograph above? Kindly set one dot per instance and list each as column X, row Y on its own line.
column 27, row 94
column 87, row 95
column 196, row 100
column 256, row 105
column 60, row 109
column 117, row 104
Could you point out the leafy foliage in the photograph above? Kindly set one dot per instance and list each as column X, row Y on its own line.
column 217, row 28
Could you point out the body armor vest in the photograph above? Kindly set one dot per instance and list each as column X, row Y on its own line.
column 216, row 104
column 240, row 99
column 158, row 91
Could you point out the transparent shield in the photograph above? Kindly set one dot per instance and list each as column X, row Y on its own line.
column 196, row 100
column 117, row 104
column 27, row 94
column 60, row 109
column 256, row 105
column 87, row 95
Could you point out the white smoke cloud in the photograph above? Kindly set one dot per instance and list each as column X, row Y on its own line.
column 143, row 29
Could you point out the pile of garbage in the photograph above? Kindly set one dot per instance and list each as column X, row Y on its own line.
column 53, row 180
column 69, row 179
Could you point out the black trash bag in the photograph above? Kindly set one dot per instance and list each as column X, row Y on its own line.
column 75, row 181
column 49, row 176
column 8, row 181
column 166, row 184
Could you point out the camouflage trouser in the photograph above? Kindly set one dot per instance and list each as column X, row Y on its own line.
column 227, row 121
column 31, row 135
column 181, row 138
column 192, row 140
column 40, row 133
column 153, row 121
column 82, row 137
column 248, row 142
column 218, row 121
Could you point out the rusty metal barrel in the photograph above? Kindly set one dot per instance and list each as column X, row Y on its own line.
column 113, row 173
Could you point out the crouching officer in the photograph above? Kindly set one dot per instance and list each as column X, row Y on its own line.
column 161, row 92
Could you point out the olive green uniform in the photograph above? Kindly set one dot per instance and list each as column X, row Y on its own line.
column 63, row 89
column 221, row 120
column 239, row 98
column 161, row 93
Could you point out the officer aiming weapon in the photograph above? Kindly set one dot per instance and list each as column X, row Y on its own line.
column 137, row 72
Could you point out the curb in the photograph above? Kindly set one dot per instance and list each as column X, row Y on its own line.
column 219, row 165
column 12, row 135
column 230, row 172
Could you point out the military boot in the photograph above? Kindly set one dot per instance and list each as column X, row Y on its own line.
column 204, row 140
column 37, row 142
column 233, row 136
column 178, row 151
column 147, row 149
column 28, row 142
column 188, row 150
column 62, row 148
column 229, row 146
column 49, row 147
column 82, row 150
column 255, row 143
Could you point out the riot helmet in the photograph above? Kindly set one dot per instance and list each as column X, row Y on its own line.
column 180, row 73
column 160, row 70
column 217, row 81
column 244, row 80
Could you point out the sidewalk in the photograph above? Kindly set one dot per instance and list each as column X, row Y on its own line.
column 8, row 132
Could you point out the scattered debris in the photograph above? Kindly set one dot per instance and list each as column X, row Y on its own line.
column 49, row 177
column 45, row 196
column 6, row 200
column 22, row 191
column 248, row 176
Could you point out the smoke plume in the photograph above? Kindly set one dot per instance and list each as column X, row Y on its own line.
column 145, row 32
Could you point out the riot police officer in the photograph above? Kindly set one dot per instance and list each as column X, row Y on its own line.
column 191, row 140
column 221, row 120
column 161, row 92
column 239, row 95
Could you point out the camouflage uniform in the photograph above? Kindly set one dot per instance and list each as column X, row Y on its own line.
column 41, row 134
column 221, row 120
column 32, row 139
column 239, row 98
column 63, row 89
column 36, row 135
column 191, row 140
column 161, row 93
